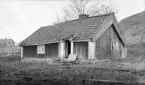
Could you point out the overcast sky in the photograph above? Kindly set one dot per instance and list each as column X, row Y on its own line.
column 20, row 18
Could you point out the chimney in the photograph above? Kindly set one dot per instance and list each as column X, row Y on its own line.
column 83, row 16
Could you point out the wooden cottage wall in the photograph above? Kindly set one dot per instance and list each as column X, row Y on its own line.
column 81, row 49
column 115, row 37
column 29, row 51
column 103, row 46
column 51, row 50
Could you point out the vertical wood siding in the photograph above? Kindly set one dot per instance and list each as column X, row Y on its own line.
column 115, row 37
column 103, row 45
column 30, row 51
column 51, row 50
column 81, row 49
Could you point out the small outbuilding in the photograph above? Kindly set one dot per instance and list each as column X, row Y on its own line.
column 96, row 37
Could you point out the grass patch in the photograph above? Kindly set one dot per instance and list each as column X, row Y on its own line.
column 43, row 73
column 10, row 59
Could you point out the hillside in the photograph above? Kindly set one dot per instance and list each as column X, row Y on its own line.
column 133, row 28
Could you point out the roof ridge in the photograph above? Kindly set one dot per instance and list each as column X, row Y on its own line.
column 84, row 18
column 102, row 15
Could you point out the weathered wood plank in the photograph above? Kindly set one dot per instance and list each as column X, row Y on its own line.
column 51, row 50
column 81, row 49
column 30, row 51
column 103, row 45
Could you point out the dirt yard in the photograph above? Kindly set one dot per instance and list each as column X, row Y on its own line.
column 45, row 72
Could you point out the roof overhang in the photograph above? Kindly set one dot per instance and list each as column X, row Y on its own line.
column 116, row 25
column 111, row 20
column 55, row 42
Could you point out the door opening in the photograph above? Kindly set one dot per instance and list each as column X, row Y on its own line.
column 68, row 47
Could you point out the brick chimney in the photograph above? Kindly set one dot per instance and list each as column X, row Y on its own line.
column 83, row 16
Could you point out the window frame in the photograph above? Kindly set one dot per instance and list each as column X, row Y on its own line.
column 40, row 49
column 115, row 45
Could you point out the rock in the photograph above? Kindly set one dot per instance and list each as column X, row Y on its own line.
column 72, row 57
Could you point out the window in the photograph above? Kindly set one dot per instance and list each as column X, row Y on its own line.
column 41, row 49
column 115, row 45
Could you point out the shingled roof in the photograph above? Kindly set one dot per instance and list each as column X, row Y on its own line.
column 77, row 30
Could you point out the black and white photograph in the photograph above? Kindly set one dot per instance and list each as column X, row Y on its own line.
column 72, row 42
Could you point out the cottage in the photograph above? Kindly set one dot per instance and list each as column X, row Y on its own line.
column 96, row 37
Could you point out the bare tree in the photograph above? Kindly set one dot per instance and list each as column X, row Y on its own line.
column 58, row 20
column 90, row 7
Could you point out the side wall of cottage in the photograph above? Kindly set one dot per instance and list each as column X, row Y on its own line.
column 115, row 37
column 51, row 50
column 81, row 49
column 29, row 51
column 104, row 45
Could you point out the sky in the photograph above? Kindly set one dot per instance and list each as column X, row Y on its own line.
column 20, row 18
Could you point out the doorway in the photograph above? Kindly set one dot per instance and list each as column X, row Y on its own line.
column 67, row 48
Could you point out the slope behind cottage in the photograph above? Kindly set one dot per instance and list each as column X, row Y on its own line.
column 96, row 37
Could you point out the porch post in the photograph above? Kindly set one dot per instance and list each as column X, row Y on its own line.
column 21, row 52
column 61, row 51
column 72, row 47
column 91, row 50
column 125, row 49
